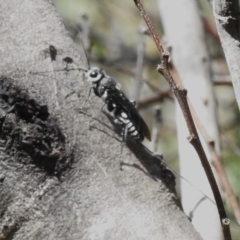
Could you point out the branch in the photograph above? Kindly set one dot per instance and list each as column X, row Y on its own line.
column 217, row 163
column 211, row 29
column 222, row 80
column 181, row 95
column 159, row 96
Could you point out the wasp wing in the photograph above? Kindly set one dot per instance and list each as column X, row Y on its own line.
column 118, row 97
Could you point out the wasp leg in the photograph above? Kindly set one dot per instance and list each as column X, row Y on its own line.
column 124, row 138
column 120, row 157
column 117, row 121
column 133, row 103
column 124, row 133
column 95, row 116
column 103, row 107
column 87, row 99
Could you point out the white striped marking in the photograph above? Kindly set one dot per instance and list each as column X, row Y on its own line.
column 131, row 129
column 124, row 115
column 129, row 124
column 126, row 121
column 135, row 133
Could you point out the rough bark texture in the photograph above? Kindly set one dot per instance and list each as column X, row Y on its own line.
column 226, row 14
column 59, row 180
column 184, row 33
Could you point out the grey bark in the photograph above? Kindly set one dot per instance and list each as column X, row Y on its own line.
column 92, row 199
column 226, row 14
column 184, row 33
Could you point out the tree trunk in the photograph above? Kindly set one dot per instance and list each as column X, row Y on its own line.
column 226, row 14
column 60, row 180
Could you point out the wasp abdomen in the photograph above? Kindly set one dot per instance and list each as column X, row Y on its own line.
column 129, row 127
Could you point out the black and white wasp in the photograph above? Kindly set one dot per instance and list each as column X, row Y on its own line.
column 125, row 113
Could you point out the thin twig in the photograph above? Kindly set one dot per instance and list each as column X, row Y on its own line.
column 159, row 96
column 181, row 95
column 222, row 80
column 217, row 163
column 210, row 29
column 131, row 73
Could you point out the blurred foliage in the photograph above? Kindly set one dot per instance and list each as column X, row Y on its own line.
column 113, row 44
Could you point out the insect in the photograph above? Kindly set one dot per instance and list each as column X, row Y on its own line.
column 124, row 110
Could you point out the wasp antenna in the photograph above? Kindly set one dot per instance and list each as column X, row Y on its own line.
column 86, row 54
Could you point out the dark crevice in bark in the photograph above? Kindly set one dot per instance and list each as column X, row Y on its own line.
column 28, row 133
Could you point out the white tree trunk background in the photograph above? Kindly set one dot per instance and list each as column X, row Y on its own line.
column 93, row 199
column 184, row 34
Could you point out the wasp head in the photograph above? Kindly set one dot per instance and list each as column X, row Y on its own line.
column 95, row 75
